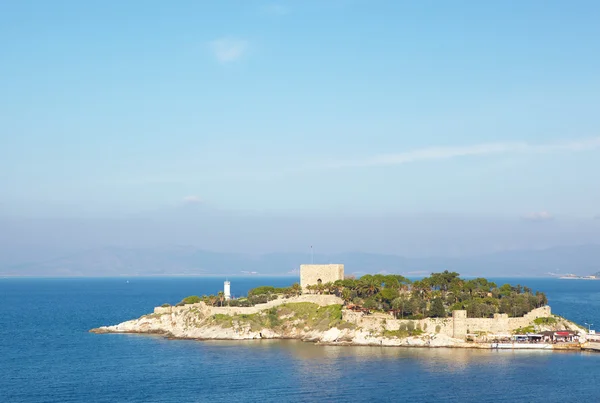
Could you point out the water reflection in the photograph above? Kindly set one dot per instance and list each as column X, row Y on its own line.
column 327, row 358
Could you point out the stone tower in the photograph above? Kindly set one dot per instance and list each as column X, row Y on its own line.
column 459, row 324
column 320, row 273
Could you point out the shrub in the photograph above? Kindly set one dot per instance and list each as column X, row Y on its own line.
column 192, row 299
column 272, row 317
column 400, row 334
column 239, row 302
column 524, row 330
column 545, row 321
column 258, row 299
column 438, row 329
column 166, row 305
column 263, row 290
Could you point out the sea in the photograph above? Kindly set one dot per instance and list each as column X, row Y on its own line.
column 48, row 355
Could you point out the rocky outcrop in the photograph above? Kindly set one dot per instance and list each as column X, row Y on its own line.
column 295, row 318
column 307, row 321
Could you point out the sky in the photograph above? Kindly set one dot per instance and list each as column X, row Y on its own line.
column 485, row 113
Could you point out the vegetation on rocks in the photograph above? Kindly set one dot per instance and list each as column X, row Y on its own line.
column 524, row 330
column 286, row 316
column 192, row 299
column 545, row 321
column 433, row 296
column 401, row 333
column 259, row 295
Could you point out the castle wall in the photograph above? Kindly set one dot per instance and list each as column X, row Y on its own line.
column 312, row 273
column 379, row 321
column 321, row 300
column 458, row 326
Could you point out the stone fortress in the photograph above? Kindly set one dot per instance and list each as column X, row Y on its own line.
column 458, row 326
column 311, row 274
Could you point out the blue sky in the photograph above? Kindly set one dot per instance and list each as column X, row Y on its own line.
column 361, row 108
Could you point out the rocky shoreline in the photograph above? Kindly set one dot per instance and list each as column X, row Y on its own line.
column 317, row 322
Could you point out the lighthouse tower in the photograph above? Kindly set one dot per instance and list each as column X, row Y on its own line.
column 227, row 290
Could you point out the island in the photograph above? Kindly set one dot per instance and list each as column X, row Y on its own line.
column 442, row 310
column 595, row 276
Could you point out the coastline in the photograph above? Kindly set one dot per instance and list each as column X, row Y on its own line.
column 377, row 342
column 321, row 319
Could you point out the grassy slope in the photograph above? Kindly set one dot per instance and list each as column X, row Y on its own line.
column 293, row 315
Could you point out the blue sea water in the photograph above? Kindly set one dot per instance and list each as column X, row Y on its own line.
column 47, row 354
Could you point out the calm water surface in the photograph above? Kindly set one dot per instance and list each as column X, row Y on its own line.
column 47, row 354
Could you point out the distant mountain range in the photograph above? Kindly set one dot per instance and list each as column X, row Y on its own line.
column 181, row 260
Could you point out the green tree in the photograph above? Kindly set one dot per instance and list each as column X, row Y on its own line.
column 346, row 295
column 368, row 286
column 370, row 303
column 437, row 309
column 399, row 304
column 388, row 294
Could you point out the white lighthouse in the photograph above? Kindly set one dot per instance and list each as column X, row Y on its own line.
column 227, row 290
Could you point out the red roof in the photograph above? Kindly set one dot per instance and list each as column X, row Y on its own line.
column 563, row 333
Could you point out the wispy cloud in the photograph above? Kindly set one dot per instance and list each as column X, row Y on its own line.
column 441, row 153
column 538, row 216
column 192, row 200
column 228, row 49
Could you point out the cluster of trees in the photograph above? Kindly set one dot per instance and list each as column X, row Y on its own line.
column 433, row 296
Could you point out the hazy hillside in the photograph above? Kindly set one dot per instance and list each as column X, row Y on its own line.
column 582, row 260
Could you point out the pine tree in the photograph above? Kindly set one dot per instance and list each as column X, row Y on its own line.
column 437, row 309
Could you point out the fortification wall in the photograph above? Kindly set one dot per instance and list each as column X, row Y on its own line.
column 379, row 322
column 174, row 309
column 312, row 273
column 525, row 320
column 458, row 326
column 321, row 300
